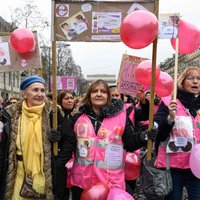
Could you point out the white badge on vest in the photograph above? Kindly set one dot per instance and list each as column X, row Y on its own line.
column 83, row 147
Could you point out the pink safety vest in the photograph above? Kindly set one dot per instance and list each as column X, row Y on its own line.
column 99, row 158
column 178, row 159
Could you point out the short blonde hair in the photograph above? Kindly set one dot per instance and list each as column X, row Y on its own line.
column 185, row 74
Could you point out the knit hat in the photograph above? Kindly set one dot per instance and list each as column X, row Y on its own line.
column 29, row 80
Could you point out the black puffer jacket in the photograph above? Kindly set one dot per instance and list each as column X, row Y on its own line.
column 130, row 138
column 189, row 101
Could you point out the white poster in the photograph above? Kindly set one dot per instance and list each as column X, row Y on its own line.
column 106, row 22
column 4, row 54
column 168, row 25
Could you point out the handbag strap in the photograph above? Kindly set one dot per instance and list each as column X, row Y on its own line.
column 167, row 161
column 167, row 157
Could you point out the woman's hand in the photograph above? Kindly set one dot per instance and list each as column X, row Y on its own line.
column 149, row 134
column 172, row 110
column 54, row 135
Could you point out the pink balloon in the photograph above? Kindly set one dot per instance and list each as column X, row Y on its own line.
column 189, row 38
column 164, row 85
column 22, row 40
column 96, row 192
column 143, row 72
column 132, row 166
column 195, row 160
column 118, row 193
column 139, row 29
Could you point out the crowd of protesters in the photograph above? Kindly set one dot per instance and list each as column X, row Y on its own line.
column 96, row 132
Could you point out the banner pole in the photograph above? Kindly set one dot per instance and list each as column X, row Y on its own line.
column 54, row 73
column 176, row 70
column 151, row 109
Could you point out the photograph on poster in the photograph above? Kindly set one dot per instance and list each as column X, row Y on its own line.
column 4, row 54
column 168, row 25
column 74, row 26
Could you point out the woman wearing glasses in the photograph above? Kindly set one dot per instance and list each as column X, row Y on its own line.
column 13, row 100
column 179, row 130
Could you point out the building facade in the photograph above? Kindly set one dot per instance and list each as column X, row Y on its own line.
column 109, row 78
column 184, row 61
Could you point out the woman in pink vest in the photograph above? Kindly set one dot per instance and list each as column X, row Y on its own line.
column 103, row 133
column 179, row 130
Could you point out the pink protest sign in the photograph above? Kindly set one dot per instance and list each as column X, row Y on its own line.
column 65, row 82
column 127, row 83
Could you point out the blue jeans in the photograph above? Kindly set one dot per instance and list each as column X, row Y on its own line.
column 181, row 178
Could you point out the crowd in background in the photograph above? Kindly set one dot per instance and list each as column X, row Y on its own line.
column 96, row 133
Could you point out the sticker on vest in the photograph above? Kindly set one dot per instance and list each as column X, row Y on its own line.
column 83, row 147
column 114, row 154
column 82, row 129
column 102, row 133
column 181, row 138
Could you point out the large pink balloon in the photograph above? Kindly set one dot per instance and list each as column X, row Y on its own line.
column 132, row 166
column 118, row 193
column 164, row 84
column 139, row 29
column 96, row 192
column 195, row 160
column 143, row 72
column 189, row 38
column 22, row 40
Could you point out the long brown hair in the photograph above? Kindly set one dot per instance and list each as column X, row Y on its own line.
column 87, row 97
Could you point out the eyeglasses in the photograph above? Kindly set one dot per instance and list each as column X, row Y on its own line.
column 13, row 102
column 191, row 78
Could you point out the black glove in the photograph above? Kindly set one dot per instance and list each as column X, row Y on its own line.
column 149, row 134
column 54, row 135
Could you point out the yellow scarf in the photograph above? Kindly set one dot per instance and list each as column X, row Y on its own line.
column 30, row 127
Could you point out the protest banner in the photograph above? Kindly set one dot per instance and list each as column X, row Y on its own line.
column 65, row 83
column 127, row 83
column 94, row 21
column 11, row 60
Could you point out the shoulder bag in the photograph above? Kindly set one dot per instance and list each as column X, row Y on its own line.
column 156, row 183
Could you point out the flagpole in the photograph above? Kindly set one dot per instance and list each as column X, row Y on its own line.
column 54, row 72
column 151, row 109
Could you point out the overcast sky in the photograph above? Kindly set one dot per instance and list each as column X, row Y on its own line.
column 106, row 57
